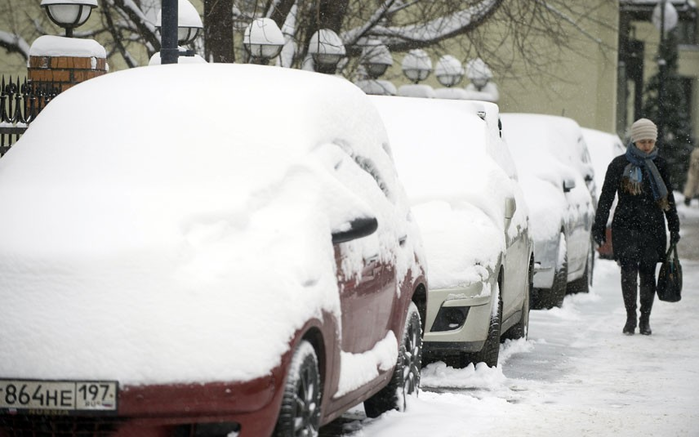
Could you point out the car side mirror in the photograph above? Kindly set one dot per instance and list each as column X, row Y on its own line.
column 510, row 207
column 358, row 228
column 568, row 184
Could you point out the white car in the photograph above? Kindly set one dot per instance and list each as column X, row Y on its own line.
column 464, row 194
column 558, row 181
column 603, row 148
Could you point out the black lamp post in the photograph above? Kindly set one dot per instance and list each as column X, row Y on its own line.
column 169, row 50
column 661, row 74
column 187, row 27
column 659, row 18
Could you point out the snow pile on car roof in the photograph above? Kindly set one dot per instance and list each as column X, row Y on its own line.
column 456, row 189
column 173, row 223
column 543, row 147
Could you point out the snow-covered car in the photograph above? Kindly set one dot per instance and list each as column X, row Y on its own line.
column 208, row 249
column 559, row 188
column 603, row 148
column 463, row 190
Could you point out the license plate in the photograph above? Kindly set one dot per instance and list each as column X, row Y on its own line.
column 17, row 395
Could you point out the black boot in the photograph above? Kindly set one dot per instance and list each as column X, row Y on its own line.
column 629, row 285
column 644, row 325
column 630, row 325
column 647, row 298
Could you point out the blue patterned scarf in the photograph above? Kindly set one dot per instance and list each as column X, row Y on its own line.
column 633, row 174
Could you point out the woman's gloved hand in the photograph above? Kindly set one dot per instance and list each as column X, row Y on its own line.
column 674, row 237
column 599, row 235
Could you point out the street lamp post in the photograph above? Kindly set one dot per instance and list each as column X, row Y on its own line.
column 376, row 59
column 661, row 74
column 69, row 14
column 326, row 50
column 179, row 24
column 416, row 65
column 169, row 51
column 481, row 86
column 665, row 18
column 449, row 71
column 263, row 40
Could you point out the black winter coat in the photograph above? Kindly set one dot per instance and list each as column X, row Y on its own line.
column 638, row 226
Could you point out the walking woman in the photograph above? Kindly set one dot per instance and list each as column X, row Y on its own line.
column 641, row 181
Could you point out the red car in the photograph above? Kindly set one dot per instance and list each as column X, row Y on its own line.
column 235, row 258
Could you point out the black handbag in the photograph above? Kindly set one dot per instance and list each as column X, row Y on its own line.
column 670, row 277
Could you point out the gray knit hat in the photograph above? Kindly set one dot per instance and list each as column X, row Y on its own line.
column 643, row 129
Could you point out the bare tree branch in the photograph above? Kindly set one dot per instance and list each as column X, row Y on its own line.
column 517, row 38
column 14, row 44
column 420, row 35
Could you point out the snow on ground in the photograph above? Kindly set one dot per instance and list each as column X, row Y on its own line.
column 576, row 375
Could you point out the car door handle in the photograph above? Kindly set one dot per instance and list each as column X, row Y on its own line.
column 402, row 240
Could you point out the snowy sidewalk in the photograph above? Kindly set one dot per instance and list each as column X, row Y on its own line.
column 577, row 375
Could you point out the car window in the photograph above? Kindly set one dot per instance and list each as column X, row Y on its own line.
column 584, row 153
column 368, row 166
column 352, row 167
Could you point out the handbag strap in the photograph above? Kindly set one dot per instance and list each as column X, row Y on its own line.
column 672, row 250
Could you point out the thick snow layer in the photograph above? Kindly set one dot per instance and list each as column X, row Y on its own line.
column 181, row 59
column 360, row 368
column 457, row 190
column 50, row 45
column 543, row 164
column 181, row 237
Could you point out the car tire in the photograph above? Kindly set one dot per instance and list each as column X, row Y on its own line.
column 583, row 284
column 554, row 296
column 300, row 408
column 406, row 375
column 521, row 328
column 490, row 352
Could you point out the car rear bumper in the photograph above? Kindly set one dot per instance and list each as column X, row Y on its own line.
column 246, row 409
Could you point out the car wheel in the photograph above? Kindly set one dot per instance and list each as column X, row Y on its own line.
column 299, row 415
column 406, row 375
column 521, row 328
column 583, row 284
column 490, row 352
column 554, row 296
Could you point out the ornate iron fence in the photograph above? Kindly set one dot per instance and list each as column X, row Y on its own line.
column 20, row 103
